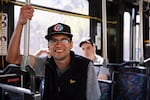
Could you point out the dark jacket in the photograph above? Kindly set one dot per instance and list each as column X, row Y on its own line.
column 71, row 85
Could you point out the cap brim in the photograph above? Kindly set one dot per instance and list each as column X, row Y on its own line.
column 84, row 42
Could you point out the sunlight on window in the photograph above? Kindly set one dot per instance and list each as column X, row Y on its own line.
column 126, row 35
column 126, row 41
column 42, row 20
column 76, row 6
column 138, row 48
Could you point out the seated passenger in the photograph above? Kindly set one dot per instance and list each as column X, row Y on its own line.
column 89, row 51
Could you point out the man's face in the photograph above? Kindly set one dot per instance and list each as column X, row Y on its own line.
column 60, row 46
column 87, row 50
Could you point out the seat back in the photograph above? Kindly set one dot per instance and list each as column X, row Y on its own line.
column 131, row 86
column 105, row 88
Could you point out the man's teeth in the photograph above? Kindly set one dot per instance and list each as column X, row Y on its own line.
column 59, row 50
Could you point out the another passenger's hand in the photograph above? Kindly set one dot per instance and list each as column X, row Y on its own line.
column 43, row 51
column 26, row 12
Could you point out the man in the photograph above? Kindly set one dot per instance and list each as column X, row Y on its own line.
column 89, row 51
column 67, row 76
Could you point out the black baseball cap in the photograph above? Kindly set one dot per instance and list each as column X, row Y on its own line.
column 86, row 40
column 58, row 28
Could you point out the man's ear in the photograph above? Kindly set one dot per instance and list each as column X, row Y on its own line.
column 48, row 44
column 71, row 45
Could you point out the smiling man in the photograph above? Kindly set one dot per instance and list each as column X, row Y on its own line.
column 67, row 76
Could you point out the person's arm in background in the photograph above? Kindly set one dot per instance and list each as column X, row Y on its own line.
column 14, row 56
column 43, row 52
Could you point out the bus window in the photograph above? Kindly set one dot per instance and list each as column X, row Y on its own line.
column 126, row 41
column 43, row 19
column 126, row 35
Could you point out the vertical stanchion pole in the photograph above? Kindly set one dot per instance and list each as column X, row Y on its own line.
column 26, row 58
column 141, row 30
column 104, row 25
column 104, row 32
column 141, row 47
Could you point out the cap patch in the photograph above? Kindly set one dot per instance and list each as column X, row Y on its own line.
column 58, row 27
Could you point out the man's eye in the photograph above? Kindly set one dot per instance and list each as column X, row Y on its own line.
column 65, row 40
column 54, row 40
